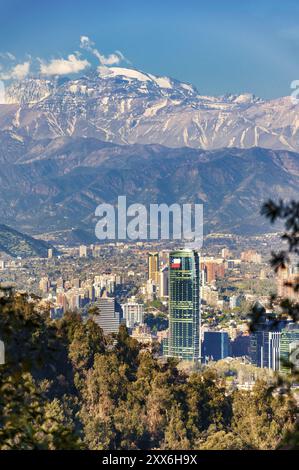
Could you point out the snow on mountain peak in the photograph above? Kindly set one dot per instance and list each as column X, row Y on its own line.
column 243, row 98
column 126, row 106
column 109, row 72
column 162, row 82
column 129, row 74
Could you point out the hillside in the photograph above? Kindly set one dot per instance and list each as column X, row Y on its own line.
column 15, row 244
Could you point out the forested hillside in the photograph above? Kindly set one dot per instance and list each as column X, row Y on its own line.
column 66, row 386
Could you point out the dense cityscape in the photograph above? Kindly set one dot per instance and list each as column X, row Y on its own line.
column 179, row 303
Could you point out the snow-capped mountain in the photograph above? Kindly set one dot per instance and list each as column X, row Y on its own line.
column 126, row 106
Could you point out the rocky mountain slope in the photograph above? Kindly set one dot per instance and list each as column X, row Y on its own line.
column 68, row 145
column 126, row 106
column 56, row 184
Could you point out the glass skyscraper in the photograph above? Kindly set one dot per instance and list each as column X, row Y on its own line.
column 265, row 344
column 265, row 349
column 184, row 305
column 216, row 345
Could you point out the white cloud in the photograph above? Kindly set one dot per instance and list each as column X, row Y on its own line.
column 7, row 55
column 111, row 59
column 85, row 42
column 73, row 64
column 18, row 72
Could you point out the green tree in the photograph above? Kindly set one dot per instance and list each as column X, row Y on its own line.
column 261, row 418
column 221, row 440
column 175, row 433
column 29, row 421
column 207, row 405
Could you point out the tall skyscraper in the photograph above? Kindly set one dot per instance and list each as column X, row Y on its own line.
column 184, row 305
column 153, row 267
column 264, row 348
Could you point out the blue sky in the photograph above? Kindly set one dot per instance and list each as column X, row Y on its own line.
column 219, row 46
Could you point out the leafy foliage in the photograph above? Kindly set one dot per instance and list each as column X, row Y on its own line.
column 66, row 386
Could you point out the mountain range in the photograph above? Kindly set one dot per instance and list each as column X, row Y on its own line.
column 56, row 184
column 126, row 106
column 67, row 145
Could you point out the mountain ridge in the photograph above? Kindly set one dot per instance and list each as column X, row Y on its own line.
column 58, row 185
column 127, row 106
column 66, row 145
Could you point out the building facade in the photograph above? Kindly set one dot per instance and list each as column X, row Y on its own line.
column 216, row 345
column 133, row 313
column 164, row 282
column 265, row 349
column 184, row 306
column 276, row 348
column 153, row 268
column 289, row 347
column 107, row 317
column 286, row 282
column 212, row 269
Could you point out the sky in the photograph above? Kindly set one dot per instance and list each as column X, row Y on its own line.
column 220, row 46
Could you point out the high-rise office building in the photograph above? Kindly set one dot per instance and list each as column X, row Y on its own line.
column 153, row 268
column 184, row 305
column 264, row 347
column 164, row 281
column 289, row 347
column 76, row 282
column 60, row 283
column 251, row 256
column 107, row 317
column 240, row 345
column 133, row 313
column 216, row 345
column 44, row 284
